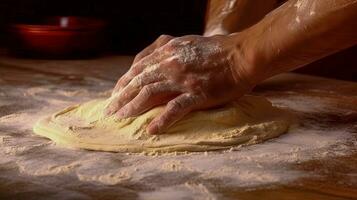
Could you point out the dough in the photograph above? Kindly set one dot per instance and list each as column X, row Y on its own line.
column 249, row 120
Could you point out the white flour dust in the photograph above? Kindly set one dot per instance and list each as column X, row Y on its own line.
column 38, row 161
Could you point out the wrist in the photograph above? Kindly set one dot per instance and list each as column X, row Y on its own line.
column 249, row 62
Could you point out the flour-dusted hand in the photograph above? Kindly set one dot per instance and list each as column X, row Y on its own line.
column 162, row 40
column 195, row 72
column 185, row 73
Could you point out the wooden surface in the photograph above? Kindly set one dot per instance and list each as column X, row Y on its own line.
column 332, row 177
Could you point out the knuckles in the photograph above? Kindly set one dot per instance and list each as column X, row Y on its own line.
column 147, row 91
column 139, row 56
column 175, row 106
column 165, row 37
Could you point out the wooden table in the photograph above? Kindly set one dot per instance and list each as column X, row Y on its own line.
column 322, row 167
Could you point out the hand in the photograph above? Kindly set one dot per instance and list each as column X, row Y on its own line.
column 162, row 40
column 188, row 73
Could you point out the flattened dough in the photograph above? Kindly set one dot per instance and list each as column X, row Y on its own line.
column 249, row 120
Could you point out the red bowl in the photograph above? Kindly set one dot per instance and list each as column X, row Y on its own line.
column 60, row 36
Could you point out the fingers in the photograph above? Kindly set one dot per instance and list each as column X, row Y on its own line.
column 151, row 62
column 131, row 90
column 174, row 111
column 149, row 96
column 145, row 58
column 160, row 41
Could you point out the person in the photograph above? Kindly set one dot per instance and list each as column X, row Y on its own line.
column 197, row 72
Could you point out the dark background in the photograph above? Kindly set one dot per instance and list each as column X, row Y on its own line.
column 132, row 24
column 135, row 24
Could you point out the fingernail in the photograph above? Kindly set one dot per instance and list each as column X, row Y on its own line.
column 153, row 129
column 121, row 114
column 108, row 112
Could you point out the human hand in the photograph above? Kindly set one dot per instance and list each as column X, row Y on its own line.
column 188, row 73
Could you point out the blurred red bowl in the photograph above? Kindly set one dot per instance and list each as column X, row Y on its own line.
column 59, row 36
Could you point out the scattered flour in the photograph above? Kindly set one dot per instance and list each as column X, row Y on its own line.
column 168, row 176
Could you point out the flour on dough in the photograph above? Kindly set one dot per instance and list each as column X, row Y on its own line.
column 248, row 120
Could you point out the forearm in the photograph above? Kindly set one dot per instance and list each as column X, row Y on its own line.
column 297, row 33
column 228, row 16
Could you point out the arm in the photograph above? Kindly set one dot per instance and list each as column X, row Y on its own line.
column 194, row 72
column 298, row 33
column 229, row 16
